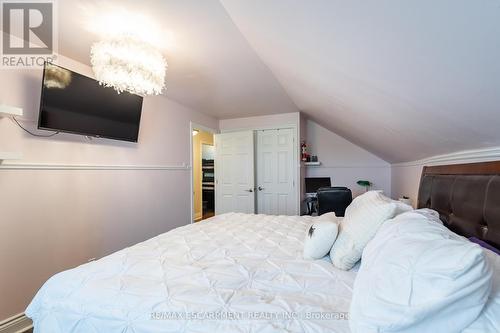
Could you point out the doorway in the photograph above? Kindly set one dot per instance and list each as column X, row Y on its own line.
column 253, row 171
column 207, row 180
column 203, row 173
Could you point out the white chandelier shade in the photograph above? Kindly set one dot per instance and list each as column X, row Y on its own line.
column 127, row 63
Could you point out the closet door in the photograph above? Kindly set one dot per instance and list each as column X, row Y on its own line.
column 276, row 172
column 234, row 172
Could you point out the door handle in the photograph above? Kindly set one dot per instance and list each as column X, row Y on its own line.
column 249, row 190
column 260, row 188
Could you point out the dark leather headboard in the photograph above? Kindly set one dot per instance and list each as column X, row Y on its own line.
column 467, row 197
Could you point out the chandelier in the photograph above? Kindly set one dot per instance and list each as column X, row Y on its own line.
column 128, row 63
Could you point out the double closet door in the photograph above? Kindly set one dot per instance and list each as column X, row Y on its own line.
column 256, row 172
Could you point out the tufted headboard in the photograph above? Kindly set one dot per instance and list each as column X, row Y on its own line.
column 467, row 197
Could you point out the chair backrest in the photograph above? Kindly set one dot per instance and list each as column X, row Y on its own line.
column 333, row 199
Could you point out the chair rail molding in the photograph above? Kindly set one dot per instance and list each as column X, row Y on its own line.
column 48, row 166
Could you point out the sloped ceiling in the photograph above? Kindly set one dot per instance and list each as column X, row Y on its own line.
column 211, row 66
column 403, row 79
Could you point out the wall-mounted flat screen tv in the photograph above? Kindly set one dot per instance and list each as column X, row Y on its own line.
column 74, row 103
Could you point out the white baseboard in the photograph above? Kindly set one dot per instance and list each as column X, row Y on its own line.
column 16, row 324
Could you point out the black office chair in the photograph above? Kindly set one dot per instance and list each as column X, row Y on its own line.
column 333, row 199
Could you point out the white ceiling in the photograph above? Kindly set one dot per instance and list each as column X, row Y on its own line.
column 403, row 79
column 211, row 66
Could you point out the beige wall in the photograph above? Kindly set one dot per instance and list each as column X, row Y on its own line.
column 406, row 181
column 406, row 176
column 344, row 162
column 54, row 217
column 198, row 141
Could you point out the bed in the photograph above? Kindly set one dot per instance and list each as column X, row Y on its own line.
column 244, row 273
column 228, row 266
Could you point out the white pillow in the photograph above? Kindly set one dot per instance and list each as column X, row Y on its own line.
column 320, row 236
column 363, row 218
column 489, row 320
column 417, row 276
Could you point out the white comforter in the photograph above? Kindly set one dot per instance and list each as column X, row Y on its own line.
column 232, row 273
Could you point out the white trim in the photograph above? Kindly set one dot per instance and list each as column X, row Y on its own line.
column 347, row 166
column 260, row 128
column 466, row 156
column 192, row 126
column 44, row 166
column 296, row 157
column 203, row 128
column 16, row 324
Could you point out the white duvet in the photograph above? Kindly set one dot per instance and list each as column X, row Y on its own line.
column 232, row 273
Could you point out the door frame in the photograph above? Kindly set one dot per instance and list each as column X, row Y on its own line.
column 192, row 126
column 295, row 128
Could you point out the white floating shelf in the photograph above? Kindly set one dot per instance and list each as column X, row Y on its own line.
column 312, row 163
column 10, row 156
column 6, row 110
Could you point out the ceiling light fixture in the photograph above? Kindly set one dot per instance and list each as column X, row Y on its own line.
column 195, row 132
column 128, row 63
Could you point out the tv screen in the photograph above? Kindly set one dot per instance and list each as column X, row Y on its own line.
column 75, row 103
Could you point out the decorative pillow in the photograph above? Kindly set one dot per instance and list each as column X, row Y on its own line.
column 320, row 236
column 418, row 276
column 363, row 218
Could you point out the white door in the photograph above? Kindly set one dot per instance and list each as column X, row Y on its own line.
column 276, row 189
column 234, row 173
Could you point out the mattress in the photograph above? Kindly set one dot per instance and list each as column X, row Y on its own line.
column 231, row 273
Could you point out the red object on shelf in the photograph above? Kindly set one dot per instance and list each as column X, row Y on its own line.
column 303, row 151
